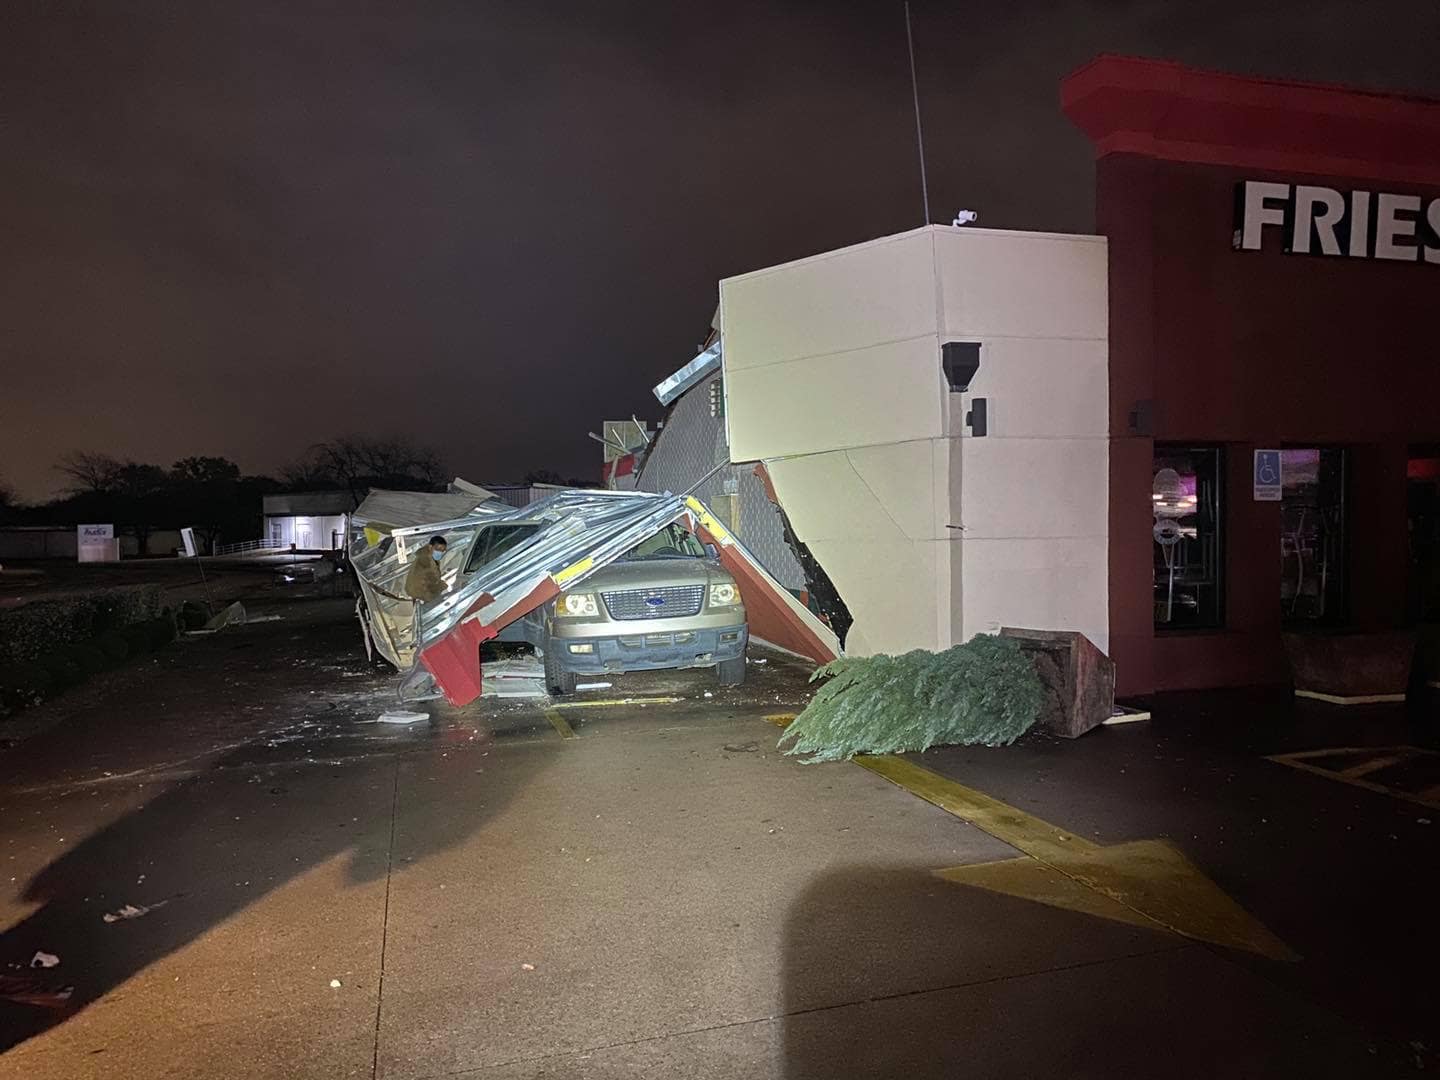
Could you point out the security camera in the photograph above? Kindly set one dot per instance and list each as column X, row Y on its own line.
column 965, row 217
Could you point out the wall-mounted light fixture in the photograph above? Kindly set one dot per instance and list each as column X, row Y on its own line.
column 960, row 360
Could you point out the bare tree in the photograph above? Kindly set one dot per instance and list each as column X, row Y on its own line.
column 95, row 474
column 357, row 463
column 132, row 495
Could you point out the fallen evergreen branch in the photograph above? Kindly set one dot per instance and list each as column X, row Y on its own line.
column 985, row 692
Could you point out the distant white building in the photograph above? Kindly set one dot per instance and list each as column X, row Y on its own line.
column 310, row 520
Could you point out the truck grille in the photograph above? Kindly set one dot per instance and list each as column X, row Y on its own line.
column 664, row 603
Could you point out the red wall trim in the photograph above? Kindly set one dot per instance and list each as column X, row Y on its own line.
column 1168, row 111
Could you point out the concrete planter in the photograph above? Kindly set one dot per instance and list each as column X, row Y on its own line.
column 1079, row 679
column 1352, row 668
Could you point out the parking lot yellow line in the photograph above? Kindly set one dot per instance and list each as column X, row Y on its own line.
column 561, row 726
column 1150, row 879
column 1020, row 830
column 615, row 701
column 1355, row 774
column 1375, row 765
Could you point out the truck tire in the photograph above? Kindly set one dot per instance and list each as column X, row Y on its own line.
column 731, row 672
column 557, row 679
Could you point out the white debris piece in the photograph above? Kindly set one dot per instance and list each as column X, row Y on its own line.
column 132, row 911
column 44, row 960
column 403, row 716
column 334, row 984
column 593, row 685
column 232, row 615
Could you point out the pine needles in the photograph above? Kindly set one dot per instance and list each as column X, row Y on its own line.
column 984, row 692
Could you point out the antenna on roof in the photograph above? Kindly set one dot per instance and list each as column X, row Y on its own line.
column 919, row 132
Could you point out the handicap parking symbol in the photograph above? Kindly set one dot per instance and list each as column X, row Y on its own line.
column 1267, row 476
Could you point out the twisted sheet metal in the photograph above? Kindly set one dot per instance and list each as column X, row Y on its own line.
column 579, row 533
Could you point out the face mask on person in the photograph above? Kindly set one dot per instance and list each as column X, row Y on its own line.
column 437, row 555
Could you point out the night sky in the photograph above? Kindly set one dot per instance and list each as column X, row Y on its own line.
column 240, row 229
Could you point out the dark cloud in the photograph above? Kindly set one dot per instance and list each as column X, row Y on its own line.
column 240, row 228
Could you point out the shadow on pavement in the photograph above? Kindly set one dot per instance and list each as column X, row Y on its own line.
column 220, row 841
column 894, row 972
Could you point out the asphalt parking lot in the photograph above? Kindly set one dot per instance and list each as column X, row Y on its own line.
column 638, row 884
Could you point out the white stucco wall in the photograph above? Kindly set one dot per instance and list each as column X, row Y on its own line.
column 833, row 377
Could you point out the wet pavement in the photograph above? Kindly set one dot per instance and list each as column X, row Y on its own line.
column 648, row 889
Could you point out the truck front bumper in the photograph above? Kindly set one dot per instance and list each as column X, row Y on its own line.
column 650, row 651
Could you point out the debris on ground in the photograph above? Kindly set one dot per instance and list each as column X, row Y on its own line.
column 402, row 716
column 527, row 967
column 132, row 911
column 334, row 984
column 742, row 748
column 234, row 615
column 29, row 991
column 521, row 677
column 984, row 692
column 1122, row 714
column 44, row 960
column 593, row 685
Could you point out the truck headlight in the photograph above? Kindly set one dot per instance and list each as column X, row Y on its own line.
column 724, row 594
column 576, row 605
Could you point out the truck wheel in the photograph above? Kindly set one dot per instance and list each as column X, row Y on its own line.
column 557, row 679
column 731, row 672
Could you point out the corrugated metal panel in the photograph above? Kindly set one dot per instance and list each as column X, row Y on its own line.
column 691, row 443
column 400, row 509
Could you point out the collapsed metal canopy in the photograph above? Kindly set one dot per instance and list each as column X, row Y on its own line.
column 577, row 533
column 396, row 509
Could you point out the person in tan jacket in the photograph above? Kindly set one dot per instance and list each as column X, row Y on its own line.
column 424, row 582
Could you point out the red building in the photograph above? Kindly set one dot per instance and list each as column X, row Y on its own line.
column 1274, row 285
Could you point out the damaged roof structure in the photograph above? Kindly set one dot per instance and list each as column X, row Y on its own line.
column 573, row 534
column 854, row 391
column 911, row 433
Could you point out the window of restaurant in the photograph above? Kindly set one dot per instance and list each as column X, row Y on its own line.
column 1423, row 497
column 1188, row 552
column 1312, row 534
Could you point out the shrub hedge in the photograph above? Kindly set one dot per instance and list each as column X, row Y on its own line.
column 29, row 675
column 31, row 630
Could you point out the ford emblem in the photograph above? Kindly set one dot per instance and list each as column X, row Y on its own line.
column 655, row 601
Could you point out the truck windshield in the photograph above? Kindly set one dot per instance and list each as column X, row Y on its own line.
column 494, row 541
column 671, row 542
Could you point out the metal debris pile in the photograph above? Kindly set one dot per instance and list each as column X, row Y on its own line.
column 495, row 576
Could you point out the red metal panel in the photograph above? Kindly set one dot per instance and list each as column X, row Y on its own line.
column 454, row 659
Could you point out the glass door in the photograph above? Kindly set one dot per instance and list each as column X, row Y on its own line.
column 1312, row 534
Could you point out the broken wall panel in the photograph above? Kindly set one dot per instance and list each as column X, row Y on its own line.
column 773, row 614
column 683, row 457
